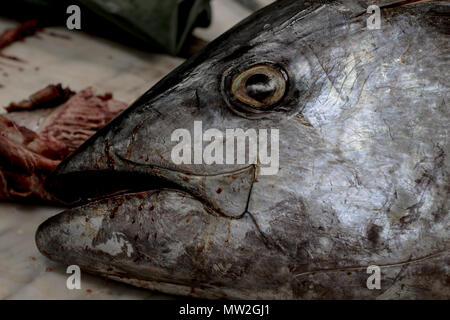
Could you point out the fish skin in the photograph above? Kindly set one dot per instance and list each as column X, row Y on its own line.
column 363, row 176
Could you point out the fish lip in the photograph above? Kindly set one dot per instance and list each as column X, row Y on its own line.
column 143, row 178
column 57, row 184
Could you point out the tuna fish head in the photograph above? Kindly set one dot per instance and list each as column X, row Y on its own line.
column 345, row 167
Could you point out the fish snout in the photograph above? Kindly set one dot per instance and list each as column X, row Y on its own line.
column 146, row 238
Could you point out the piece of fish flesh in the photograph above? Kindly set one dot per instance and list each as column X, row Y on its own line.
column 39, row 132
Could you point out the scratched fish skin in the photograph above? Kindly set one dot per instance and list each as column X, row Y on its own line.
column 363, row 177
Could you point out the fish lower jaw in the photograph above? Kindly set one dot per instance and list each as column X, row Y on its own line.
column 210, row 292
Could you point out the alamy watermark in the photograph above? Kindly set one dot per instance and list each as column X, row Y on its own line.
column 374, row 21
column 374, row 280
column 74, row 20
column 229, row 147
column 73, row 281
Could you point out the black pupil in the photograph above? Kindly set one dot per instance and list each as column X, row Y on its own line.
column 260, row 87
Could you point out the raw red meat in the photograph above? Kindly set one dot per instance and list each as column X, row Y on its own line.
column 50, row 96
column 27, row 157
column 82, row 116
column 26, row 29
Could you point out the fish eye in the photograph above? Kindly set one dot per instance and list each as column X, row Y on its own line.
column 259, row 87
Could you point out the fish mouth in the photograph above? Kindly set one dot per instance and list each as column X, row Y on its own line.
column 226, row 193
column 141, row 225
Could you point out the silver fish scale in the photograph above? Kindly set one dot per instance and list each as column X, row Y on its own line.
column 363, row 176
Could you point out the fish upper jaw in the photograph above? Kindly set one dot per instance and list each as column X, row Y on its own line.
column 224, row 193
